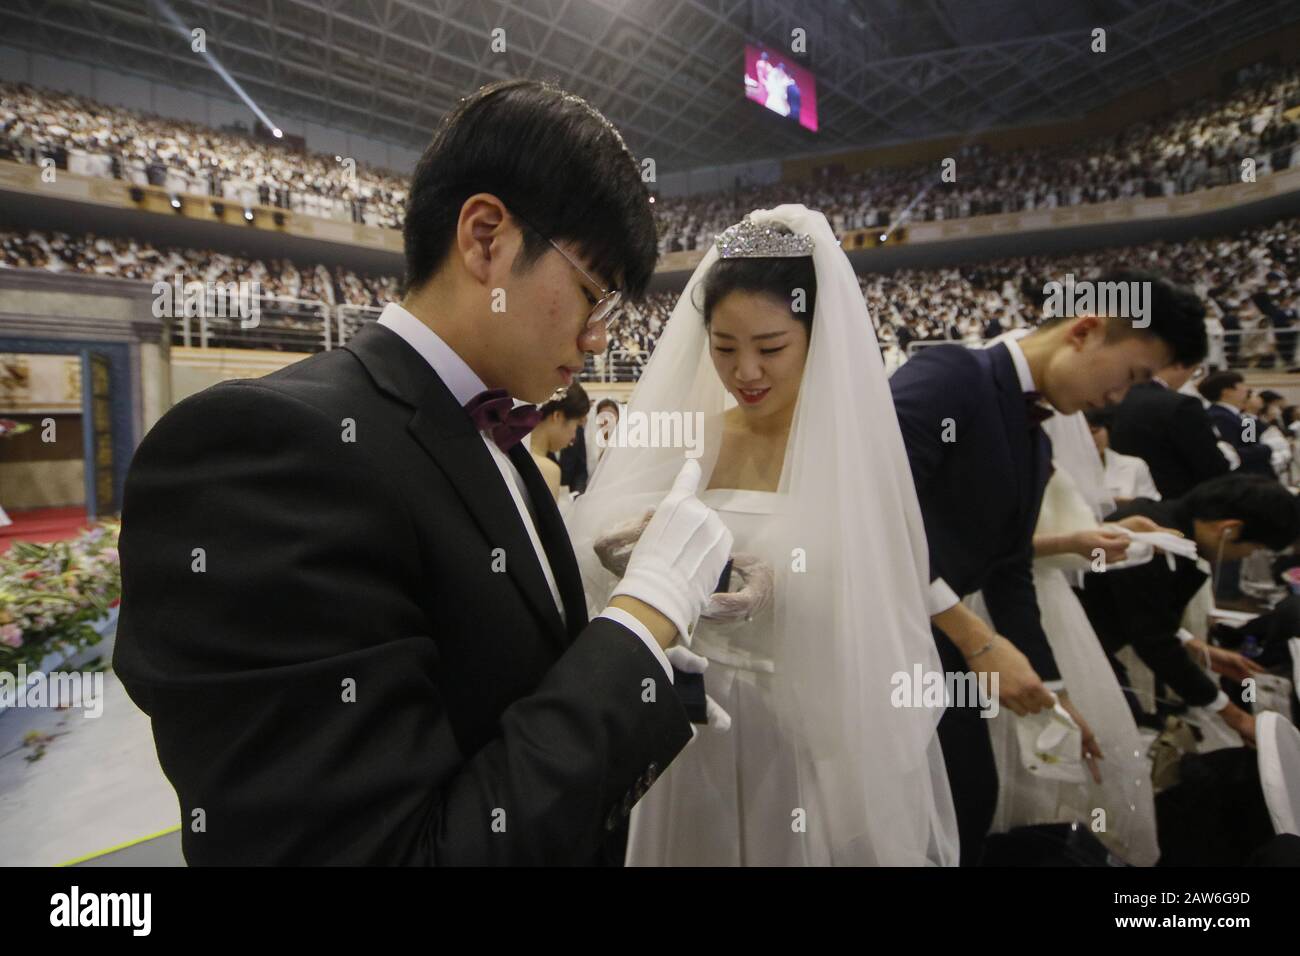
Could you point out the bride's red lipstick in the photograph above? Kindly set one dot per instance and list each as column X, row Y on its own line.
column 752, row 396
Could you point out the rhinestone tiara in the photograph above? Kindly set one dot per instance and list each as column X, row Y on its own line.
column 751, row 240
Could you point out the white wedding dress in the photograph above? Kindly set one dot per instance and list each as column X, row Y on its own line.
column 740, row 797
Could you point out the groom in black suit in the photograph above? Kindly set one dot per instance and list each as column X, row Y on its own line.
column 350, row 606
column 1229, row 518
column 1170, row 431
column 1228, row 394
column 971, row 421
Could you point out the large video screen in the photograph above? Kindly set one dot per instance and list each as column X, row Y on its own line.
column 784, row 87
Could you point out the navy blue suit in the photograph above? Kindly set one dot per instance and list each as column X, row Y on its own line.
column 980, row 465
column 1256, row 457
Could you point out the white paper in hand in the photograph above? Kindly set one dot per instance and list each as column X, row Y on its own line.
column 1051, row 745
column 1144, row 545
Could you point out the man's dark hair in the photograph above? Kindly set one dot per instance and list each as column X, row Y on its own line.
column 1265, row 508
column 1177, row 316
column 1213, row 386
column 558, row 166
column 574, row 403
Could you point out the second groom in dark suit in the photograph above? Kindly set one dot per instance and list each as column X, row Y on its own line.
column 1170, row 431
column 971, row 420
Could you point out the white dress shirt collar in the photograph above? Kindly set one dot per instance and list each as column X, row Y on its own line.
column 1019, row 361
column 460, row 379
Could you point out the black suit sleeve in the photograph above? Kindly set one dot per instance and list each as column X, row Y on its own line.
column 1013, row 605
column 293, row 683
column 1192, row 433
column 928, row 392
column 1150, row 612
column 1256, row 457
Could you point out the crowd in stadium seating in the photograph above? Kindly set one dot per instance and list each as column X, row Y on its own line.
column 134, row 259
column 1249, row 281
column 93, row 138
column 1196, row 147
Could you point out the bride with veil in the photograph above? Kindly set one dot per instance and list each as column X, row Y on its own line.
column 770, row 347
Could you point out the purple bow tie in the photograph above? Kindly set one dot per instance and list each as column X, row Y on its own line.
column 494, row 411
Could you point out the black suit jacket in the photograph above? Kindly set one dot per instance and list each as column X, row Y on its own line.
column 1143, row 606
column 1256, row 457
column 370, row 668
column 980, row 468
column 1172, row 433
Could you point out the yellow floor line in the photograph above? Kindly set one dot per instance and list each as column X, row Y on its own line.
column 121, row 846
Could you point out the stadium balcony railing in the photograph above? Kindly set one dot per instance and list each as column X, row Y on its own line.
column 181, row 179
column 355, row 221
column 1211, row 177
column 283, row 324
column 304, row 325
column 235, row 202
column 1216, row 187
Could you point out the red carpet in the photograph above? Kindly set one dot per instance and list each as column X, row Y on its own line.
column 43, row 524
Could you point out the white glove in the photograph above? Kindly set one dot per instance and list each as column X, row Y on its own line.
column 688, row 662
column 677, row 562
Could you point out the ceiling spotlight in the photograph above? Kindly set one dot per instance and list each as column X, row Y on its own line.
column 277, row 132
column 652, row 198
column 248, row 214
column 884, row 236
column 176, row 202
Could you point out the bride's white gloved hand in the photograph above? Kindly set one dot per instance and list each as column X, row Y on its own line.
column 743, row 604
column 676, row 564
column 688, row 662
column 614, row 547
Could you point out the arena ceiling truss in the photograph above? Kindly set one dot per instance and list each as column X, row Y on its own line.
column 667, row 72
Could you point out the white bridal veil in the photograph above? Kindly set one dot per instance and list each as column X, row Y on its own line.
column 851, row 562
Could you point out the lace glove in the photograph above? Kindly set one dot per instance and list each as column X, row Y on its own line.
column 614, row 547
column 745, row 602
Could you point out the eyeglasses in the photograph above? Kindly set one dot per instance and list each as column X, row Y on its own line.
column 604, row 308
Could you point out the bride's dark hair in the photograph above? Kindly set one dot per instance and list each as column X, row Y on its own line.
column 776, row 277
